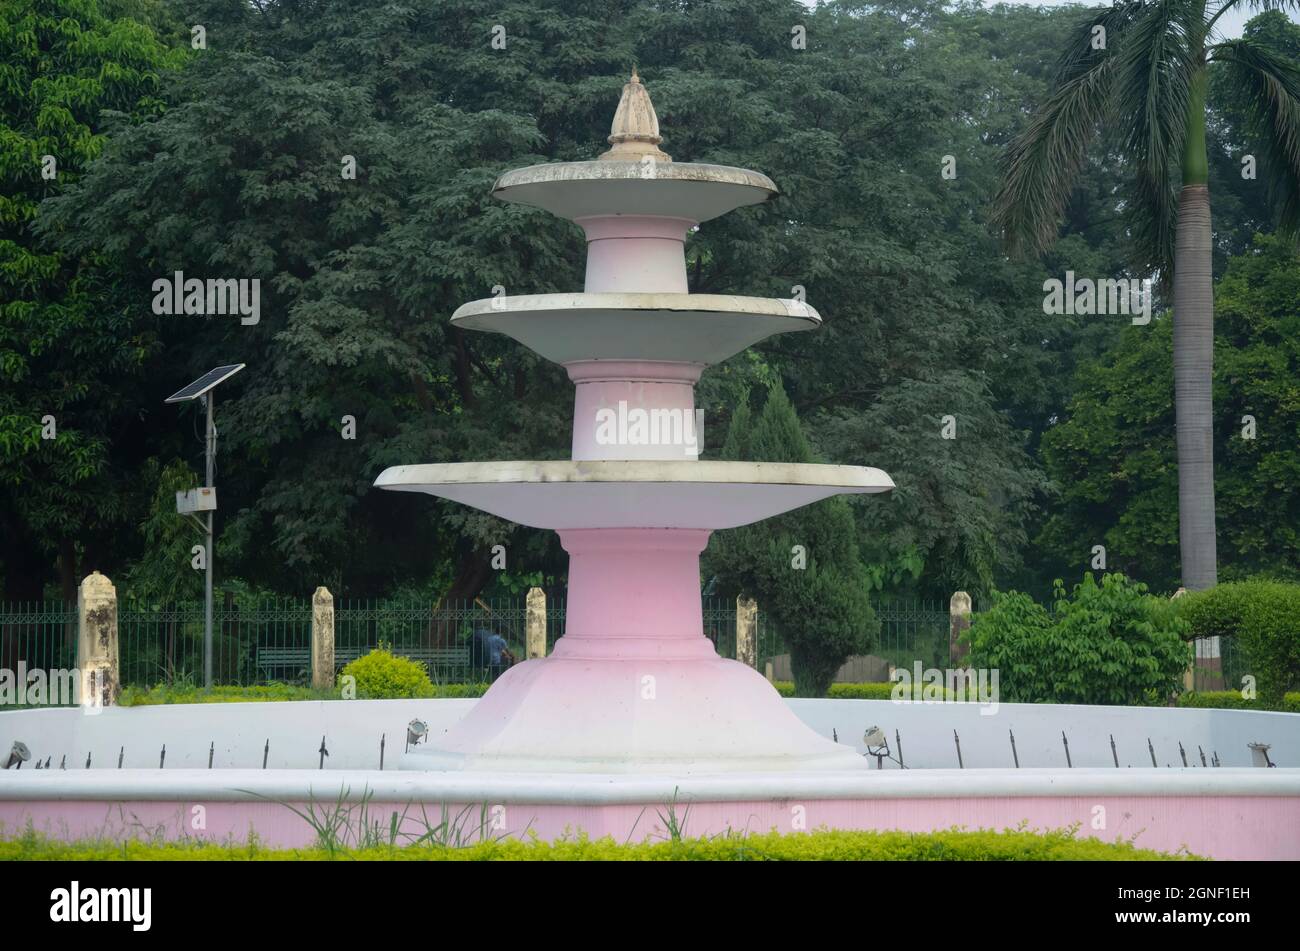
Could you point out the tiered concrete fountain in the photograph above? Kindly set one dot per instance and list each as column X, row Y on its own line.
column 634, row 711
column 634, row 686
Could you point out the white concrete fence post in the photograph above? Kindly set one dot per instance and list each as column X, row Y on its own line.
column 535, row 624
column 747, row 631
column 322, row 639
column 959, row 608
column 97, row 648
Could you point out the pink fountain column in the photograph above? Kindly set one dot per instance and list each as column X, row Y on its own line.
column 634, row 594
column 635, row 254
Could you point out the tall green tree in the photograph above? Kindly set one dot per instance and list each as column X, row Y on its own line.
column 1140, row 71
column 72, row 346
column 803, row 567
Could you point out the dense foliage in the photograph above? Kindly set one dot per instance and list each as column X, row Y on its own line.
column 1113, row 456
column 73, row 352
column 1101, row 643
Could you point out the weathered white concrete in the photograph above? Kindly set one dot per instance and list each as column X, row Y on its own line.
column 566, row 494
column 353, row 728
column 668, row 327
column 698, row 192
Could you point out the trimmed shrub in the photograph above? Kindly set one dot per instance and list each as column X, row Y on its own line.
column 262, row 693
column 1233, row 700
column 380, row 675
column 1264, row 617
column 820, row 845
column 868, row 691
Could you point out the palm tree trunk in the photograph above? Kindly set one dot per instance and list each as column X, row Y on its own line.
column 1194, row 359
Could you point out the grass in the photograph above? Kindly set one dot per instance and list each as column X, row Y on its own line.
column 260, row 693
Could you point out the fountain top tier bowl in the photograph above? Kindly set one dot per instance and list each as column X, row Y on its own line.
column 690, row 191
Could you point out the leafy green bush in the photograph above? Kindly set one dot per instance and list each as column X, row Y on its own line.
column 1233, row 700
column 867, row 691
column 821, row 845
column 1264, row 617
column 381, row 675
column 1108, row 643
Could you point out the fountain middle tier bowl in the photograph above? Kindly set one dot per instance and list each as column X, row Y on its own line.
column 634, row 494
column 676, row 328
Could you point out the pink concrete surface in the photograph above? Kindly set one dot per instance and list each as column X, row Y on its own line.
column 1221, row 827
column 633, row 686
column 636, row 254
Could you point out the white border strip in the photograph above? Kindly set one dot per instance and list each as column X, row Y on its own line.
column 238, row 785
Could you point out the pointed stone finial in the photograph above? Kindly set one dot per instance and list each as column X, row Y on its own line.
column 634, row 133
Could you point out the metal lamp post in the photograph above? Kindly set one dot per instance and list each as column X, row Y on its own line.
column 205, row 499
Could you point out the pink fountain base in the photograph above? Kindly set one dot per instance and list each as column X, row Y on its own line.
column 706, row 715
column 633, row 686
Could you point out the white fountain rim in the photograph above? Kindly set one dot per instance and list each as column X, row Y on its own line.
column 703, row 304
column 291, row 785
column 606, row 171
column 711, row 471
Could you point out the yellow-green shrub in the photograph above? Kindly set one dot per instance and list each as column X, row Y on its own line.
column 380, row 675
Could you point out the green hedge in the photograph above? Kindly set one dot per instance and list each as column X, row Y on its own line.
column 870, row 691
column 821, row 845
column 163, row 694
column 1233, row 700
column 1262, row 616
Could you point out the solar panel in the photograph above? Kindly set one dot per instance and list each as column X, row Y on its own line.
column 204, row 383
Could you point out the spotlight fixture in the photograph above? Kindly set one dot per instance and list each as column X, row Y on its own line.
column 877, row 745
column 18, row 755
column 416, row 731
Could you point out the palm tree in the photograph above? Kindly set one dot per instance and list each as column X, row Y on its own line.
column 1139, row 71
